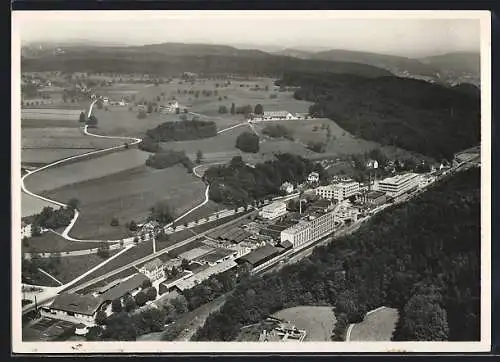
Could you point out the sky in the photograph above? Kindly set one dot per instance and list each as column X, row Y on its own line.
column 407, row 34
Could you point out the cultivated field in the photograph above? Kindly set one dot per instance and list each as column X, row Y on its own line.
column 89, row 169
column 317, row 321
column 43, row 156
column 62, row 137
column 377, row 326
column 51, row 114
column 129, row 195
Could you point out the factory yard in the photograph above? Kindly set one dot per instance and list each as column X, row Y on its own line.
column 317, row 321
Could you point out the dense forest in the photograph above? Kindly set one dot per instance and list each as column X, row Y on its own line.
column 415, row 115
column 238, row 184
column 182, row 131
column 171, row 60
column 422, row 257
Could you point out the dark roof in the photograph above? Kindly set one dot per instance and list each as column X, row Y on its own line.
column 323, row 203
column 260, row 254
column 76, row 303
column 374, row 194
column 216, row 255
column 124, row 287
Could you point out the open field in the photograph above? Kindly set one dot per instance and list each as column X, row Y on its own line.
column 51, row 242
column 377, row 326
column 40, row 279
column 71, row 267
column 119, row 121
column 71, row 115
column 84, row 170
column 62, row 137
column 129, row 195
column 31, row 205
column 317, row 321
column 304, row 131
column 47, row 155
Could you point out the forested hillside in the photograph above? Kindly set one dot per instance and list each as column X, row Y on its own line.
column 415, row 115
column 422, row 257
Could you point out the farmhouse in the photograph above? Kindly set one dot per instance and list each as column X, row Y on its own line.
column 274, row 116
column 75, row 308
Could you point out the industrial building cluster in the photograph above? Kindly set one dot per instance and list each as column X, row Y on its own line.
column 259, row 242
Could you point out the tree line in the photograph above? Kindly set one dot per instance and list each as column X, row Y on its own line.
column 422, row 257
column 415, row 115
column 183, row 130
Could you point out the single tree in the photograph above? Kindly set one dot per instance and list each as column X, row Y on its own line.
column 100, row 317
column 114, row 222
column 151, row 293
column 73, row 203
column 82, row 117
column 116, row 306
column 129, row 303
column 259, row 109
column 140, row 298
column 233, row 108
column 199, row 157
column 146, row 284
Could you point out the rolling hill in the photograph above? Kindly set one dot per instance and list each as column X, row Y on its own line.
column 170, row 59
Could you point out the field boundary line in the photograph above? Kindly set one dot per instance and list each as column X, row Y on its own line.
column 50, row 276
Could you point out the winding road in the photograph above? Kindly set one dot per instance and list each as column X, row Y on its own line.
column 128, row 141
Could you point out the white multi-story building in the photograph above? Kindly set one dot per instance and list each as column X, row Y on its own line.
column 397, row 185
column 309, row 231
column 153, row 269
column 339, row 191
column 273, row 210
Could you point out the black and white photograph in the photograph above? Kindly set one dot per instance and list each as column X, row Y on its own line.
column 286, row 181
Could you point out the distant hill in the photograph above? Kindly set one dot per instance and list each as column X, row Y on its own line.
column 395, row 64
column 427, row 118
column 170, row 59
column 459, row 61
column 297, row 53
column 458, row 67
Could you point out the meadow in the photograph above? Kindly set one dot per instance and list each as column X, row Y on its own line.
column 50, row 242
column 129, row 195
column 88, row 169
column 377, row 326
